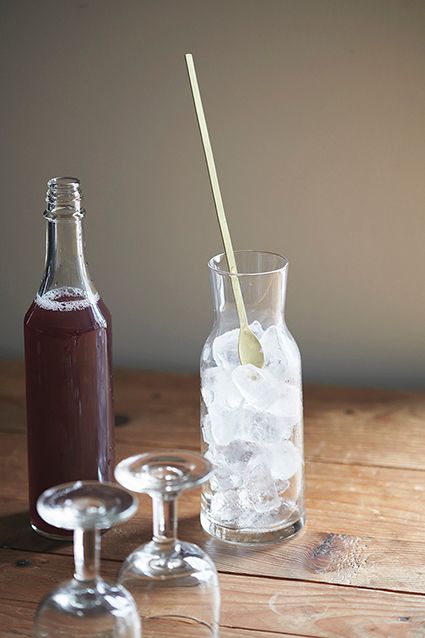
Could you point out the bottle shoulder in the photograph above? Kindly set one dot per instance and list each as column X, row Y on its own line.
column 67, row 320
column 105, row 311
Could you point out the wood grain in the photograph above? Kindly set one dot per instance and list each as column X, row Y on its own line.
column 257, row 604
column 366, row 427
column 343, row 425
column 323, row 611
column 327, row 557
column 16, row 620
column 347, row 499
column 358, row 570
column 357, row 519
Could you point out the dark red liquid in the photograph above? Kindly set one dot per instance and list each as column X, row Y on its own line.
column 69, row 399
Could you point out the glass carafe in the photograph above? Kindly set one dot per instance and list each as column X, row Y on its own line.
column 68, row 361
column 251, row 418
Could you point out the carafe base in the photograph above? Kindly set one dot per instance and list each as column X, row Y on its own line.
column 251, row 536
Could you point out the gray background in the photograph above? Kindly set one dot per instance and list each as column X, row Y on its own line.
column 316, row 110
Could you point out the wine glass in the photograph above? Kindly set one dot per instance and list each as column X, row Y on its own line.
column 87, row 606
column 174, row 583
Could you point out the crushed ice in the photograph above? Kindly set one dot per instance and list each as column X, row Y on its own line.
column 248, row 423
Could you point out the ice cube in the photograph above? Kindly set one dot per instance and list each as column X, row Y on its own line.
column 216, row 458
column 207, row 388
column 226, row 506
column 252, row 519
column 257, row 386
column 206, row 351
column 224, row 479
column 284, row 461
column 289, row 405
column 281, row 354
column 260, row 487
column 248, row 518
column 224, row 424
column 225, row 346
column 238, row 453
column 225, row 475
column 225, row 349
column 257, row 329
column 218, row 387
column 230, row 463
column 206, row 429
column 263, row 427
column 282, row 485
column 295, row 487
column 260, row 521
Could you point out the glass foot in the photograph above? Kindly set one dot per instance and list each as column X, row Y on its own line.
column 166, row 471
column 250, row 536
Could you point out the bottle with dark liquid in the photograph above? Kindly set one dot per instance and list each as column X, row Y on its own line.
column 68, row 361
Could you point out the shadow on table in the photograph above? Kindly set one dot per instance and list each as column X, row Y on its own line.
column 16, row 533
column 224, row 554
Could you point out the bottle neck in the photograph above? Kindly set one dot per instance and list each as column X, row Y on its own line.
column 65, row 265
column 263, row 296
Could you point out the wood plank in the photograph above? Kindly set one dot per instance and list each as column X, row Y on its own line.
column 26, row 577
column 355, row 500
column 329, row 558
column 16, row 620
column 254, row 603
column 344, row 503
column 348, row 499
column 312, row 556
column 365, row 523
column 342, row 425
column 228, row 632
column 310, row 609
column 365, row 426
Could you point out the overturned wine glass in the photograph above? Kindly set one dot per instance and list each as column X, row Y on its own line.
column 174, row 583
column 87, row 606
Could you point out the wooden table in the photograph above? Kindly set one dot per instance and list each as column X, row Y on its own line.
column 357, row 570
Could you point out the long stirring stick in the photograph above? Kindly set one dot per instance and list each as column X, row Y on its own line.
column 249, row 346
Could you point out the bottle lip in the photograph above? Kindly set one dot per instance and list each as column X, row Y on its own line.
column 64, row 197
column 64, row 182
column 281, row 263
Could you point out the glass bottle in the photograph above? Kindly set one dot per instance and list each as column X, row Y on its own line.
column 67, row 332
column 251, row 418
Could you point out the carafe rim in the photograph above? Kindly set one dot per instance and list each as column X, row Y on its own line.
column 281, row 263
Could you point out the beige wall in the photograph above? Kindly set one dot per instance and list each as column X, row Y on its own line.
column 317, row 115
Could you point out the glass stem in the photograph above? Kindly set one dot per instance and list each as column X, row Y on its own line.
column 165, row 520
column 86, row 554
